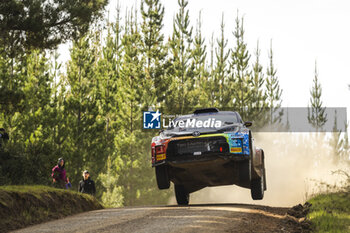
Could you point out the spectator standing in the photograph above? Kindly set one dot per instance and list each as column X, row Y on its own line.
column 87, row 185
column 59, row 177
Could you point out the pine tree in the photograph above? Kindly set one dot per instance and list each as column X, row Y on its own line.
column 222, row 85
column 345, row 153
column 273, row 91
column 258, row 99
column 199, row 56
column 240, row 72
column 113, row 195
column 42, row 24
column 258, row 81
column 316, row 113
column 11, row 82
column 131, row 159
column 211, row 85
column 84, row 144
column 155, row 84
column 335, row 141
column 108, row 75
column 182, row 70
column 30, row 144
column 56, row 114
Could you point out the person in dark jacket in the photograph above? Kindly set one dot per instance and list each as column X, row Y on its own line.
column 87, row 185
column 59, row 176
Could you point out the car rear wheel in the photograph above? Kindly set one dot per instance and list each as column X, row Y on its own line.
column 257, row 188
column 182, row 196
column 162, row 176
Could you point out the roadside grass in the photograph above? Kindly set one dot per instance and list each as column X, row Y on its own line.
column 330, row 212
column 21, row 206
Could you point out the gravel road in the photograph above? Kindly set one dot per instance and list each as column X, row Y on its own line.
column 192, row 218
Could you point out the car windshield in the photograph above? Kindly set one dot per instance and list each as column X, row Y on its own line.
column 202, row 122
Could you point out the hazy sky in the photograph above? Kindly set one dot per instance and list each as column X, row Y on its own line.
column 302, row 32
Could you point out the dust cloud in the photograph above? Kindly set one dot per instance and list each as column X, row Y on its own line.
column 296, row 165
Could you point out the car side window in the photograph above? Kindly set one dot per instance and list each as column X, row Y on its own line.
column 239, row 119
column 235, row 119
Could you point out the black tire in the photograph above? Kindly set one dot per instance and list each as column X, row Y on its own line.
column 257, row 188
column 182, row 196
column 162, row 176
column 265, row 186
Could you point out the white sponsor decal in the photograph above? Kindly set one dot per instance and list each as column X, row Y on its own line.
column 193, row 123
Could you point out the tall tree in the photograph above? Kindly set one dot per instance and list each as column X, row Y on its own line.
column 45, row 23
column 83, row 145
column 257, row 105
column 199, row 56
column 223, row 84
column 153, row 48
column 335, row 141
column 57, row 115
column 182, row 70
column 113, row 193
column 273, row 90
column 30, row 125
column 240, row 72
column 107, row 75
column 316, row 112
column 211, row 88
column 131, row 161
column 346, row 144
column 11, row 84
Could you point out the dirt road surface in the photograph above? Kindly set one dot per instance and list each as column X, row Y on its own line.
column 193, row 218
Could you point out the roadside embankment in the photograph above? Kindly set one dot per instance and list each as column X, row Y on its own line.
column 330, row 212
column 21, row 206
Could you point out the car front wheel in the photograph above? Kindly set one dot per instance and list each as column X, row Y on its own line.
column 182, row 196
column 257, row 188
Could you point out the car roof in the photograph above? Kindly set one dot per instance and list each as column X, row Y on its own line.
column 210, row 113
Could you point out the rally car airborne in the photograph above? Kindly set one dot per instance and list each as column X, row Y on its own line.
column 208, row 148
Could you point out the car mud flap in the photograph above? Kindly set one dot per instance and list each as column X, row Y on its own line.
column 243, row 173
column 258, row 164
